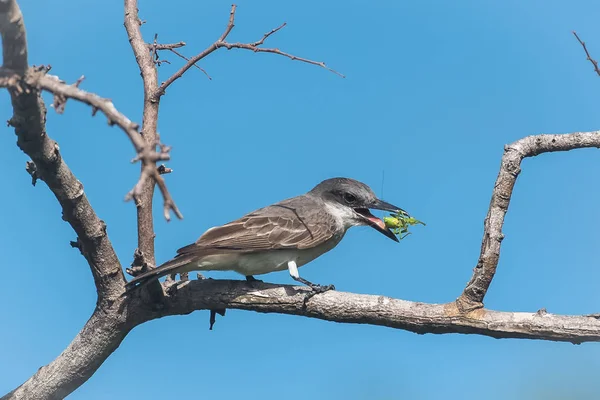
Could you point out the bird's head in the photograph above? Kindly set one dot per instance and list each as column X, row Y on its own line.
column 352, row 200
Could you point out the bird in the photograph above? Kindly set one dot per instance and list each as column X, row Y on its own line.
column 284, row 235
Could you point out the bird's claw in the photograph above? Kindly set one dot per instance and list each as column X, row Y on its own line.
column 317, row 289
column 252, row 281
column 322, row 288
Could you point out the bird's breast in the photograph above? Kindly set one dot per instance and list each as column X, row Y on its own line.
column 277, row 260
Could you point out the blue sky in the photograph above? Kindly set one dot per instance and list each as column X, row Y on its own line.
column 434, row 90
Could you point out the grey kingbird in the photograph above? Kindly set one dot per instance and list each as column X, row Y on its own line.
column 285, row 235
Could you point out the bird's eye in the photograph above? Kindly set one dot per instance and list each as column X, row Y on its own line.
column 349, row 198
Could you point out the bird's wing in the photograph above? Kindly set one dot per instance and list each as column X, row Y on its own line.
column 297, row 223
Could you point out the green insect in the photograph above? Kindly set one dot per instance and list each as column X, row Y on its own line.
column 399, row 224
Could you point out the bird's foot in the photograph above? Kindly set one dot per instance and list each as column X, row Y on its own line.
column 252, row 281
column 317, row 289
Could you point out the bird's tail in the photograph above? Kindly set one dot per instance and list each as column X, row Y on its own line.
column 170, row 267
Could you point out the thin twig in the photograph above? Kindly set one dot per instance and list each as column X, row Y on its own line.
column 195, row 65
column 321, row 64
column 253, row 46
column 594, row 62
column 230, row 24
column 170, row 46
column 154, row 47
column 266, row 35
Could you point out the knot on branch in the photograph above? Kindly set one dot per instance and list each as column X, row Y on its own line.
column 60, row 100
column 139, row 264
column 465, row 304
column 77, row 244
column 32, row 170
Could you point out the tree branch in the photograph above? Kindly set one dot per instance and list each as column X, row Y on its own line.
column 344, row 307
column 37, row 78
column 105, row 331
column 99, row 338
column 170, row 46
column 510, row 167
column 29, row 121
column 14, row 38
column 254, row 46
column 147, row 67
column 195, row 65
column 590, row 59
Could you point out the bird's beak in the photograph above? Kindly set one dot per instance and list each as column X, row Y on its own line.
column 377, row 223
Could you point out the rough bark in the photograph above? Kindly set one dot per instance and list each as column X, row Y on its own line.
column 29, row 121
column 100, row 336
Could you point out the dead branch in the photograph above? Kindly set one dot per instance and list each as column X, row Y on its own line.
column 194, row 64
column 376, row 310
column 14, row 39
column 510, row 167
column 171, row 46
column 99, row 338
column 590, row 59
column 60, row 100
column 254, row 46
column 147, row 154
column 103, row 334
column 147, row 67
column 47, row 164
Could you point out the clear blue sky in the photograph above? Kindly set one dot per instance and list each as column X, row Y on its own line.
column 434, row 90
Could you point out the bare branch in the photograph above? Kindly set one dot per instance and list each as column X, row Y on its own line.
column 14, row 39
column 230, row 24
column 266, row 35
column 145, row 222
column 376, row 310
column 146, row 153
column 195, row 65
column 60, row 100
column 156, row 47
column 99, row 338
column 159, row 46
column 104, row 332
column 321, row 64
column 510, row 167
column 590, row 59
column 254, row 46
column 154, row 52
column 29, row 121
